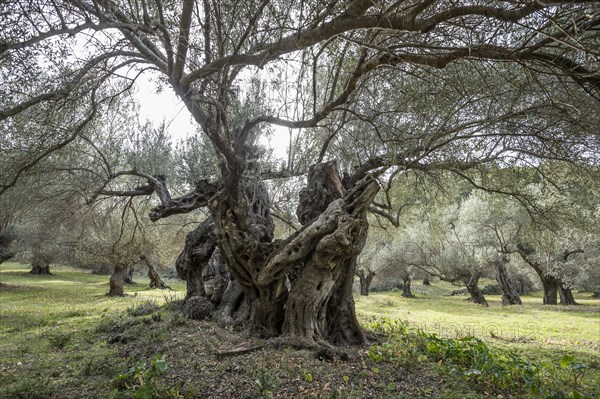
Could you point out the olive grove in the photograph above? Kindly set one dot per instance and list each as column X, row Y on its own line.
column 369, row 90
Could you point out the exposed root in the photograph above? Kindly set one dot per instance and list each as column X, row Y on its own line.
column 322, row 349
column 244, row 348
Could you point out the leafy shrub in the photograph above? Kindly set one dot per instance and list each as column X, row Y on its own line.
column 490, row 369
column 142, row 380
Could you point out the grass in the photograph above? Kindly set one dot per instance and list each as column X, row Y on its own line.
column 574, row 327
column 62, row 337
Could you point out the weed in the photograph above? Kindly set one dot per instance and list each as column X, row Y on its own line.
column 265, row 384
column 142, row 380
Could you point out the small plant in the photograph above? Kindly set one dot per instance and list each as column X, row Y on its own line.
column 495, row 371
column 142, row 380
column 265, row 384
column 307, row 376
column 576, row 370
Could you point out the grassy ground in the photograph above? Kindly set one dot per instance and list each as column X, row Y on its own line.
column 61, row 337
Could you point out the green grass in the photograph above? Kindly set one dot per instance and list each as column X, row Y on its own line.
column 571, row 326
column 542, row 334
column 48, row 328
column 62, row 337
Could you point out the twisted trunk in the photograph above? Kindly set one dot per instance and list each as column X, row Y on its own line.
column 40, row 262
column 38, row 267
column 320, row 306
column 476, row 294
column 509, row 293
column 365, row 278
column 550, row 285
column 566, row 295
column 317, row 262
column 406, row 291
column 116, row 281
column 155, row 280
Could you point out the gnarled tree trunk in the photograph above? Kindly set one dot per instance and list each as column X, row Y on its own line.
column 310, row 319
column 40, row 268
column 365, row 277
column 155, row 280
column 426, row 280
column 319, row 259
column 550, row 285
column 406, row 291
column 474, row 291
column 117, row 280
column 199, row 247
column 509, row 293
column 566, row 295
column 40, row 264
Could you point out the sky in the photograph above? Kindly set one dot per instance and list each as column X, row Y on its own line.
column 163, row 106
column 166, row 106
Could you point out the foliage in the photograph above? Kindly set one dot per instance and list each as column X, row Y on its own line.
column 492, row 370
column 142, row 380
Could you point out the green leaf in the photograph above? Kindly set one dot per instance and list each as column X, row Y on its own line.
column 144, row 392
column 159, row 364
column 391, row 386
column 567, row 360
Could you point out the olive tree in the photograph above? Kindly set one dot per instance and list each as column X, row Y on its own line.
column 376, row 86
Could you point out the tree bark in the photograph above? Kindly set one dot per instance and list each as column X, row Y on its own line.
column 406, row 292
column 550, row 282
column 550, row 285
column 509, row 293
column 117, row 280
column 320, row 308
column 198, row 249
column 40, row 268
column 426, row 280
column 566, row 295
column 343, row 327
column 6, row 251
column 40, row 262
column 365, row 278
column 476, row 294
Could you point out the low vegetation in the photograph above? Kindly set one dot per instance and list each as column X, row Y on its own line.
column 62, row 337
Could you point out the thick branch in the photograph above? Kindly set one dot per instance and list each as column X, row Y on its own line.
column 199, row 198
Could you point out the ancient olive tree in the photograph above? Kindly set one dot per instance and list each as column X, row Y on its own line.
column 380, row 87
